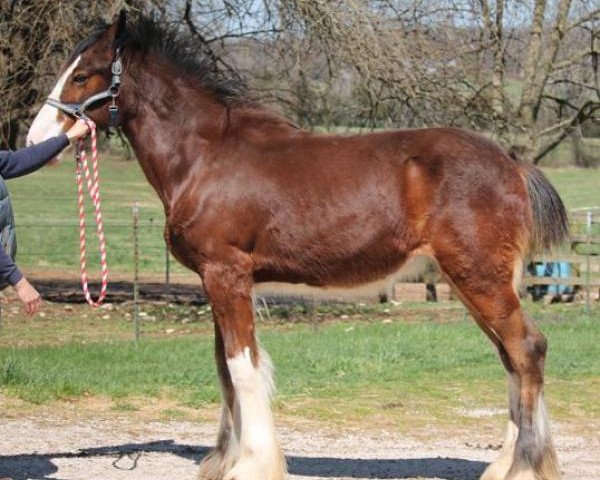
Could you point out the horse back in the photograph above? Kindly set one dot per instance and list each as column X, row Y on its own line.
column 325, row 209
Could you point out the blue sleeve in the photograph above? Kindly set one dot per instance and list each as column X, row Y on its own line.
column 8, row 270
column 26, row 160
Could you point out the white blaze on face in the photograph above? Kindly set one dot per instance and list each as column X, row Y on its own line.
column 46, row 123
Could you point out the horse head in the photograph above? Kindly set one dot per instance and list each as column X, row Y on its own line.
column 87, row 87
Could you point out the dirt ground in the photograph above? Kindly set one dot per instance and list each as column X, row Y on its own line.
column 68, row 290
column 45, row 446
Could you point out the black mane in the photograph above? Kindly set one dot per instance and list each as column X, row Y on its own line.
column 148, row 33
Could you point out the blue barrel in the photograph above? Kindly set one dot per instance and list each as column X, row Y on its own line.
column 554, row 270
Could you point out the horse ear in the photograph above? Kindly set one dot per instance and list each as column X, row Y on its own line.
column 119, row 24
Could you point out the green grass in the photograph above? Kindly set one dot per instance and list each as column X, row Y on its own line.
column 338, row 370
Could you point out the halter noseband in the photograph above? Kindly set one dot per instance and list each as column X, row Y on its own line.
column 77, row 110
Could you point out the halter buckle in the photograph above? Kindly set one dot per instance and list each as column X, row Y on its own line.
column 116, row 70
column 117, row 67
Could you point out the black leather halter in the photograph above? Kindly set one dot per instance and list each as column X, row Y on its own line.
column 77, row 110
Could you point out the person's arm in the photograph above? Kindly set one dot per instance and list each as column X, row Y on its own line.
column 29, row 296
column 26, row 292
column 8, row 270
column 26, row 160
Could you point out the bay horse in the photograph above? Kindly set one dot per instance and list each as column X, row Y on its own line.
column 249, row 197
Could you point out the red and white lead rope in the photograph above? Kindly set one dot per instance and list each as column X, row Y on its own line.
column 93, row 187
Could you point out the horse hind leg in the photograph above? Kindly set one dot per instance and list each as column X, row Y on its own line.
column 498, row 469
column 528, row 439
column 491, row 297
column 221, row 459
column 533, row 453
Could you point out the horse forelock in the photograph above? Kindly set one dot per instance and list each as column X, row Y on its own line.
column 82, row 46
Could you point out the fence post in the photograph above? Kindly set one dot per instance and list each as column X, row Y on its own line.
column 136, row 255
column 167, row 268
column 587, row 261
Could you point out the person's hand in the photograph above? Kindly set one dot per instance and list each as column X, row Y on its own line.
column 78, row 130
column 29, row 296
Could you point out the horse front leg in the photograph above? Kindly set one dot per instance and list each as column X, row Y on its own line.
column 247, row 449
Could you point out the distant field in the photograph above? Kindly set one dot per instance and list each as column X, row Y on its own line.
column 46, row 214
column 562, row 156
column 578, row 188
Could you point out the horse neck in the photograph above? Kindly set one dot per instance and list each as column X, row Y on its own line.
column 170, row 125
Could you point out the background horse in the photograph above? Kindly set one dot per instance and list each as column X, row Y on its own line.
column 249, row 197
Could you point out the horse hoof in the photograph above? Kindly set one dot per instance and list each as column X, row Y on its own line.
column 531, row 475
column 215, row 465
column 496, row 470
column 523, row 475
column 253, row 468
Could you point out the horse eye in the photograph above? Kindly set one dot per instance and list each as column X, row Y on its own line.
column 80, row 79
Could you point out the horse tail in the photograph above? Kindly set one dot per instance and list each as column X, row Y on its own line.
column 550, row 219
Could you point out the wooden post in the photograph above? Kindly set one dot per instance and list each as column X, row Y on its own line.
column 167, row 268
column 587, row 261
column 136, row 262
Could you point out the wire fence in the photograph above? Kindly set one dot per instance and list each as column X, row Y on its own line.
column 48, row 245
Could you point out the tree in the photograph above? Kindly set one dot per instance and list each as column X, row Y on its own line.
column 455, row 62
column 560, row 76
column 523, row 71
